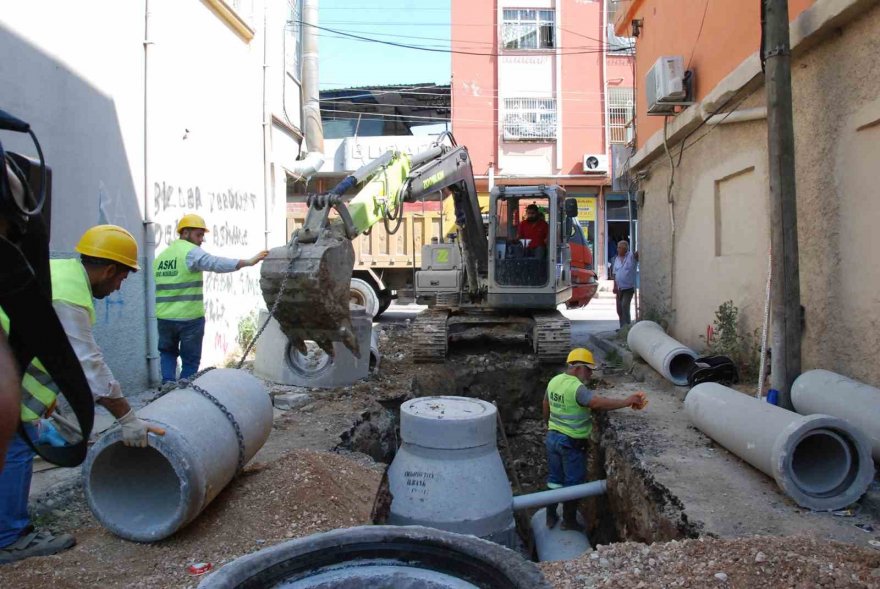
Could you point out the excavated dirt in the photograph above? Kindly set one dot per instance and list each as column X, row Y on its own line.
column 303, row 493
column 666, row 482
column 747, row 563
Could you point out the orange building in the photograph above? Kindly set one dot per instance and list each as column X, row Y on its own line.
column 539, row 96
column 701, row 179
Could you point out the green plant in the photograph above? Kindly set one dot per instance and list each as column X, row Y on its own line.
column 660, row 316
column 247, row 329
column 726, row 339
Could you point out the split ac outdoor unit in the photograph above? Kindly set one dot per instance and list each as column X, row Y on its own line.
column 595, row 163
column 665, row 85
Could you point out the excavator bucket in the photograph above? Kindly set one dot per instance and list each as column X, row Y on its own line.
column 312, row 281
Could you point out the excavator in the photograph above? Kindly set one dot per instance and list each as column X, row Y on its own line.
column 482, row 283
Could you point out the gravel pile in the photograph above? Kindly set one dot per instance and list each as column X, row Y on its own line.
column 771, row 562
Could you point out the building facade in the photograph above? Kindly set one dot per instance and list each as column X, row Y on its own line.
column 148, row 110
column 540, row 93
column 705, row 231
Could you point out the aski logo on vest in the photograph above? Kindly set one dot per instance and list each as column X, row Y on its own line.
column 556, row 397
column 167, row 268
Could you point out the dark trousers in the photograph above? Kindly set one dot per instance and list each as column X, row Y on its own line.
column 566, row 460
column 183, row 339
column 624, row 300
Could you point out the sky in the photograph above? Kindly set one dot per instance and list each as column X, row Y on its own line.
column 350, row 62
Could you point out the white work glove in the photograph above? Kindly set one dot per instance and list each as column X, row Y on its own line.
column 134, row 430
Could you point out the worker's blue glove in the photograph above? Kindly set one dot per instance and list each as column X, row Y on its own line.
column 49, row 435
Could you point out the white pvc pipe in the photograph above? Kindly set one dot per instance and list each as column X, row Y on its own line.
column 820, row 461
column 561, row 495
column 666, row 355
column 823, row 391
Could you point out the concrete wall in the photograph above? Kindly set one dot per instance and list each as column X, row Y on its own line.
column 837, row 132
column 76, row 73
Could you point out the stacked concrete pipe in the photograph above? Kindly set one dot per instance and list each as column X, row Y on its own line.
column 147, row 494
column 820, row 461
column 667, row 356
column 823, row 391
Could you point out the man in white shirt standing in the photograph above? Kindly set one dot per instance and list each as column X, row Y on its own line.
column 180, row 306
column 623, row 270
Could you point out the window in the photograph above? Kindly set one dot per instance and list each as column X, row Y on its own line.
column 528, row 29
column 620, row 113
column 529, row 119
column 293, row 39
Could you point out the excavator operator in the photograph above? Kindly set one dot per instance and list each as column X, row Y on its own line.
column 535, row 229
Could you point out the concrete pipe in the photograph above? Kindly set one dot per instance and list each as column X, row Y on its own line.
column 278, row 361
column 823, row 391
column 558, row 544
column 820, row 461
column 379, row 557
column 447, row 473
column 667, row 356
column 147, row 494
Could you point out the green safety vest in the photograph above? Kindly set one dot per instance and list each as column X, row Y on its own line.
column 179, row 293
column 70, row 284
column 566, row 416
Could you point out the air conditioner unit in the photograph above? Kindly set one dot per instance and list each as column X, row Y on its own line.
column 666, row 85
column 595, row 163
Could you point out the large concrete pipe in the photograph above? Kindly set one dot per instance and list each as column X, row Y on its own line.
column 381, row 557
column 823, row 391
column 822, row 462
column 555, row 543
column 667, row 356
column 447, row 473
column 146, row 494
column 278, row 361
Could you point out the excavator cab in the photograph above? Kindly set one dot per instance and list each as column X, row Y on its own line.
column 528, row 236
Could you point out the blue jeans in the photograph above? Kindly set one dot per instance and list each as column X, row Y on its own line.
column 566, row 460
column 15, row 485
column 184, row 339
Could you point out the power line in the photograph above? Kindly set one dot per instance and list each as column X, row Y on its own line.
column 700, row 32
column 434, row 49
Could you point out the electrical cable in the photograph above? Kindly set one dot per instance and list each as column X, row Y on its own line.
column 699, row 33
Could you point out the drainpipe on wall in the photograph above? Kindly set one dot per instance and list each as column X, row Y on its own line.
column 604, row 101
column 153, row 373
column 559, row 128
column 267, row 147
column 311, row 109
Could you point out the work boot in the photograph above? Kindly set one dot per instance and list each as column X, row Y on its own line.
column 552, row 516
column 36, row 543
column 569, row 517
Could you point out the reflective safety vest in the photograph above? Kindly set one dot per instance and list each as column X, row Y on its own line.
column 179, row 293
column 70, row 284
column 566, row 416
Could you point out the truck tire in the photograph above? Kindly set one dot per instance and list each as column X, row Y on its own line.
column 363, row 294
column 381, row 556
column 384, row 301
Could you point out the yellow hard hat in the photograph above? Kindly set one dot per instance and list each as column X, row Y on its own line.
column 581, row 355
column 191, row 221
column 110, row 242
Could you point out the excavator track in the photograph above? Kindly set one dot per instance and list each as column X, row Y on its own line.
column 551, row 337
column 430, row 337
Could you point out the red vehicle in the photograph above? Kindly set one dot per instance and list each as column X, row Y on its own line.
column 583, row 277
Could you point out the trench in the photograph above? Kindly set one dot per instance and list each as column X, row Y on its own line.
column 636, row 508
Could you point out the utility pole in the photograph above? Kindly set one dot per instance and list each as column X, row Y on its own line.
column 785, row 293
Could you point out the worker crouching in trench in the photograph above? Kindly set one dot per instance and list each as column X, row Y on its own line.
column 568, row 407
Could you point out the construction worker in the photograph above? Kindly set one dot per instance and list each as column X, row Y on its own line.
column 107, row 255
column 180, row 303
column 568, row 406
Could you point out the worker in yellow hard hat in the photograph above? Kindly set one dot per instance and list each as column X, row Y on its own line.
column 568, row 406
column 108, row 254
column 180, row 306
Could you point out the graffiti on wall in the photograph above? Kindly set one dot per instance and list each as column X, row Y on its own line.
column 236, row 223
